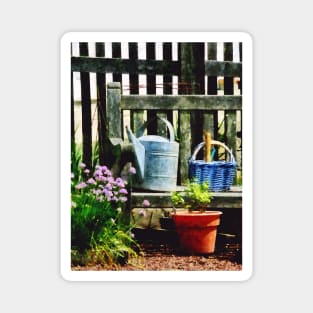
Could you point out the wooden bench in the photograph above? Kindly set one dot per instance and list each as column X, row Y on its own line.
column 120, row 150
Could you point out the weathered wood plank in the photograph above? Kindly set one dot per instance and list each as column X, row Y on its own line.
column 114, row 111
column 240, row 57
column 186, row 85
column 120, row 66
column 196, row 121
column 136, row 116
column 168, row 79
column 183, row 103
column 101, row 105
column 117, row 54
column 133, row 78
column 151, row 89
column 230, row 115
column 72, row 113
column 210, row 119
column 113, row 135
column 184, row 145
column 86, row 110
column 230, row 130
column 226, row 68
column 230, row 199
column 228, row 80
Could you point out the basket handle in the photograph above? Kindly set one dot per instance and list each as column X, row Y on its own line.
column 213, row 142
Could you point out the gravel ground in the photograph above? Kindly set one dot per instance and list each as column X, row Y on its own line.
column 158, row 257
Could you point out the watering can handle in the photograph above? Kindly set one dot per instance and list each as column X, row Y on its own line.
column 140, row 131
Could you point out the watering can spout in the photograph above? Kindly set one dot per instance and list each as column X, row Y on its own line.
column 139, row 151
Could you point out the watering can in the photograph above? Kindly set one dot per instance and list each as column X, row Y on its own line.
column 156, row 159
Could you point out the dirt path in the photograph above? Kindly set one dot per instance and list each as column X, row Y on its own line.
column 164, row 257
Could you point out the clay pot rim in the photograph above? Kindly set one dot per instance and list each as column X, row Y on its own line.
column 197, row 213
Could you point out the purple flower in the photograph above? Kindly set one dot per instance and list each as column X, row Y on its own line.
column 101, row 178
column 82, row 165
column 91, row 181
column 108, row 194
column 120, row 182
column 97, row 191
column 146, row 203
column 108, row 186
column 81, row 185
column 132, row 170
column 72, row 175
column 123, row 191
column 110, row 180
column 97, row 173
column 86, row 171
column 108, row 173
column 123, row 199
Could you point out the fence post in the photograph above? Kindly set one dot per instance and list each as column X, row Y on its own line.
column 210, row 120
column 136, row 116
column 86, row 110
column 191, row 81
column 113, row 136
column 101, row 104
column 230, row 115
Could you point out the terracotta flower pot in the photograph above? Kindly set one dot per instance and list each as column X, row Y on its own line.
column 197, row 230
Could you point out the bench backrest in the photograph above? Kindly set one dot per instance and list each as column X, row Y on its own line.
column 194, row 113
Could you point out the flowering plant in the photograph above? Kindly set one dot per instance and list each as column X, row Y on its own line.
column 98, row 226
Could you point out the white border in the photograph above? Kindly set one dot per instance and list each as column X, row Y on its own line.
column 65, row 190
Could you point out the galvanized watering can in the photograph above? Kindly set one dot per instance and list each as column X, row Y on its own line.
column 156, row 160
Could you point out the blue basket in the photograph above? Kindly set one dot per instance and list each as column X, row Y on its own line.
column 219, row 174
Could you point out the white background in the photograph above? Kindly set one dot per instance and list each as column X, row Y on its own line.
column 30, row 129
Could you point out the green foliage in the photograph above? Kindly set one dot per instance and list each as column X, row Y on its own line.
column 76, row 159
column 88, row 218
column 100, row 231
column 195, row 196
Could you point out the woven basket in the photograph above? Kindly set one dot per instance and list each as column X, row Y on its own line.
column 219, row 174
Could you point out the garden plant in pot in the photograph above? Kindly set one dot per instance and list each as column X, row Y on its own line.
column 196, row 227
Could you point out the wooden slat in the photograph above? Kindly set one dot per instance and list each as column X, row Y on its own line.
column 196, row 122
column 187, row 85
column 230, row 130
column 113, row 110
column 240, row 57
column 168, row 79
column 151, row 89
column 120, row 66
column 117, row 53
column 181, row 102
column 136, row 116
column 86, row 110
column 184, row 145
column 230, row 115
column 210, row 119
column 101, row 105
column 226, row 68
column 228, row 80
column 72, row 113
